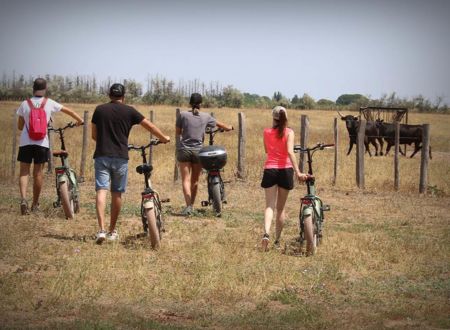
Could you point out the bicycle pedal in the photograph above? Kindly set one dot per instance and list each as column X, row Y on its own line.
column 326, row 207
column 204, row 203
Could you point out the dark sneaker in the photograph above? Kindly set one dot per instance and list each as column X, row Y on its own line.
column 187, row 211
column 276, row 245
column 265, row 243
column 35, row 208
column 24, row 207
column 100, row 236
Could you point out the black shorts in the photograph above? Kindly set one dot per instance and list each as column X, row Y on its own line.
column 282, row 177
column 33, row 152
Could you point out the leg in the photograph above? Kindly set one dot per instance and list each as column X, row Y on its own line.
column 38, row 179
column 100, row 204
column 185, row 170
column 116, row 205
column 281, row 214
column 23, row 179
column 23, row 184
column 350, row 148
column 196, row 170
column 271, row 199
column 380, row 141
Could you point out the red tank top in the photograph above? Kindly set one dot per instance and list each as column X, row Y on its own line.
column 277, row 154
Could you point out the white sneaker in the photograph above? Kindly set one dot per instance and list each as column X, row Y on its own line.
column 112, row 236
column 100, row 236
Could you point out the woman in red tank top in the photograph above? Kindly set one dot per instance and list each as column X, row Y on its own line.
column 279, row 169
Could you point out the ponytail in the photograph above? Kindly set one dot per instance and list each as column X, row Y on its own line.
column 281, row 124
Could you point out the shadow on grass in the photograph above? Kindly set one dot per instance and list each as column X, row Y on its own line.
column 75, row 237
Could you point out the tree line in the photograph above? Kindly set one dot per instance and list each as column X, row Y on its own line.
column 162, row 91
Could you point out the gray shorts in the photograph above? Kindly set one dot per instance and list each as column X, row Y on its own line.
column 188, row 156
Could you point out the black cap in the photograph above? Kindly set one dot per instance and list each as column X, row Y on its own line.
column 117, row 90
column 39, row 84
column 196, row 99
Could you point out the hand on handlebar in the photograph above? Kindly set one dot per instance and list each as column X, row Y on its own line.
column 166, row 139
column 79, row 123
column 303, row 177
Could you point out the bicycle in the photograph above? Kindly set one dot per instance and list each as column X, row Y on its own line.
column 66, row 183
column 311, row 204
column 213, row 159
column 151, row 211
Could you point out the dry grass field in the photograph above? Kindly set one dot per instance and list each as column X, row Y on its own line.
column 384, row 262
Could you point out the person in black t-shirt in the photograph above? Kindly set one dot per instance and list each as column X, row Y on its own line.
column 111, row 125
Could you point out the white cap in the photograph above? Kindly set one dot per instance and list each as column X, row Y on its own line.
column 276, row 112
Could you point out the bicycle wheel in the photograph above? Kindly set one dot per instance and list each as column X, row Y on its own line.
column 216, row 198
column 310, row 234
column 144, row 219
column 159, row 217
column 153, row 230
column 66, row 200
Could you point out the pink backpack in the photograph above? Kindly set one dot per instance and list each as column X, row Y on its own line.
column 37, row 129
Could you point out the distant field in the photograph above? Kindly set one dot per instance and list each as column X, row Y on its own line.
column 384, row 262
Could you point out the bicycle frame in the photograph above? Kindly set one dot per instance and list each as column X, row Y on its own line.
column 214, row 178
column 311, row 204
column 149, row 197
column 65, row 173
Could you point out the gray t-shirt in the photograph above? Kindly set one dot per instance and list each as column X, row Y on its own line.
column 193, row 128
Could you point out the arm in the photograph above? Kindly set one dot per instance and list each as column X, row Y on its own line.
column 224, row 126
column 290, row 148
column 20, row 123
column 73, row 114
column 94, row 131
column 149, row 126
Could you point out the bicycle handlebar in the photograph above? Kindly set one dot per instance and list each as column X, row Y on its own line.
column 321, row 146
column 68, row 125
column 153, row 142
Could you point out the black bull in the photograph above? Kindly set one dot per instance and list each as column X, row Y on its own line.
column 371, row 134
column 376, row 131
column 409, row 134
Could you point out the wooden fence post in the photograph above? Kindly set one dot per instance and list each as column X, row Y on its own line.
column 14, row 147
column 396, row 155
column 84, row 146
column 304, row 133
column 241, row 147
column 360, row 154
column 176, row 170
column 424, row 159
column 150, row 150
column 336, row 143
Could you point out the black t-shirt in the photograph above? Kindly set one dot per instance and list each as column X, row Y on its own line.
column 114, row 122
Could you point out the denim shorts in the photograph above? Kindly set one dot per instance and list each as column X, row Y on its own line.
column 111, row 170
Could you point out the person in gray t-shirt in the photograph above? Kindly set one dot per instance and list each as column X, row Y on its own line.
column 190, row 130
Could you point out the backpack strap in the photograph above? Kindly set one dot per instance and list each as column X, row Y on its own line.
column 30, row 104
column 43, row 103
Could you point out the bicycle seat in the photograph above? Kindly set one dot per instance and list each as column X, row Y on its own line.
column 60, row 153
column 144, row 168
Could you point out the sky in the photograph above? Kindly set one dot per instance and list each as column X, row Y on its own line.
column 324, row 48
